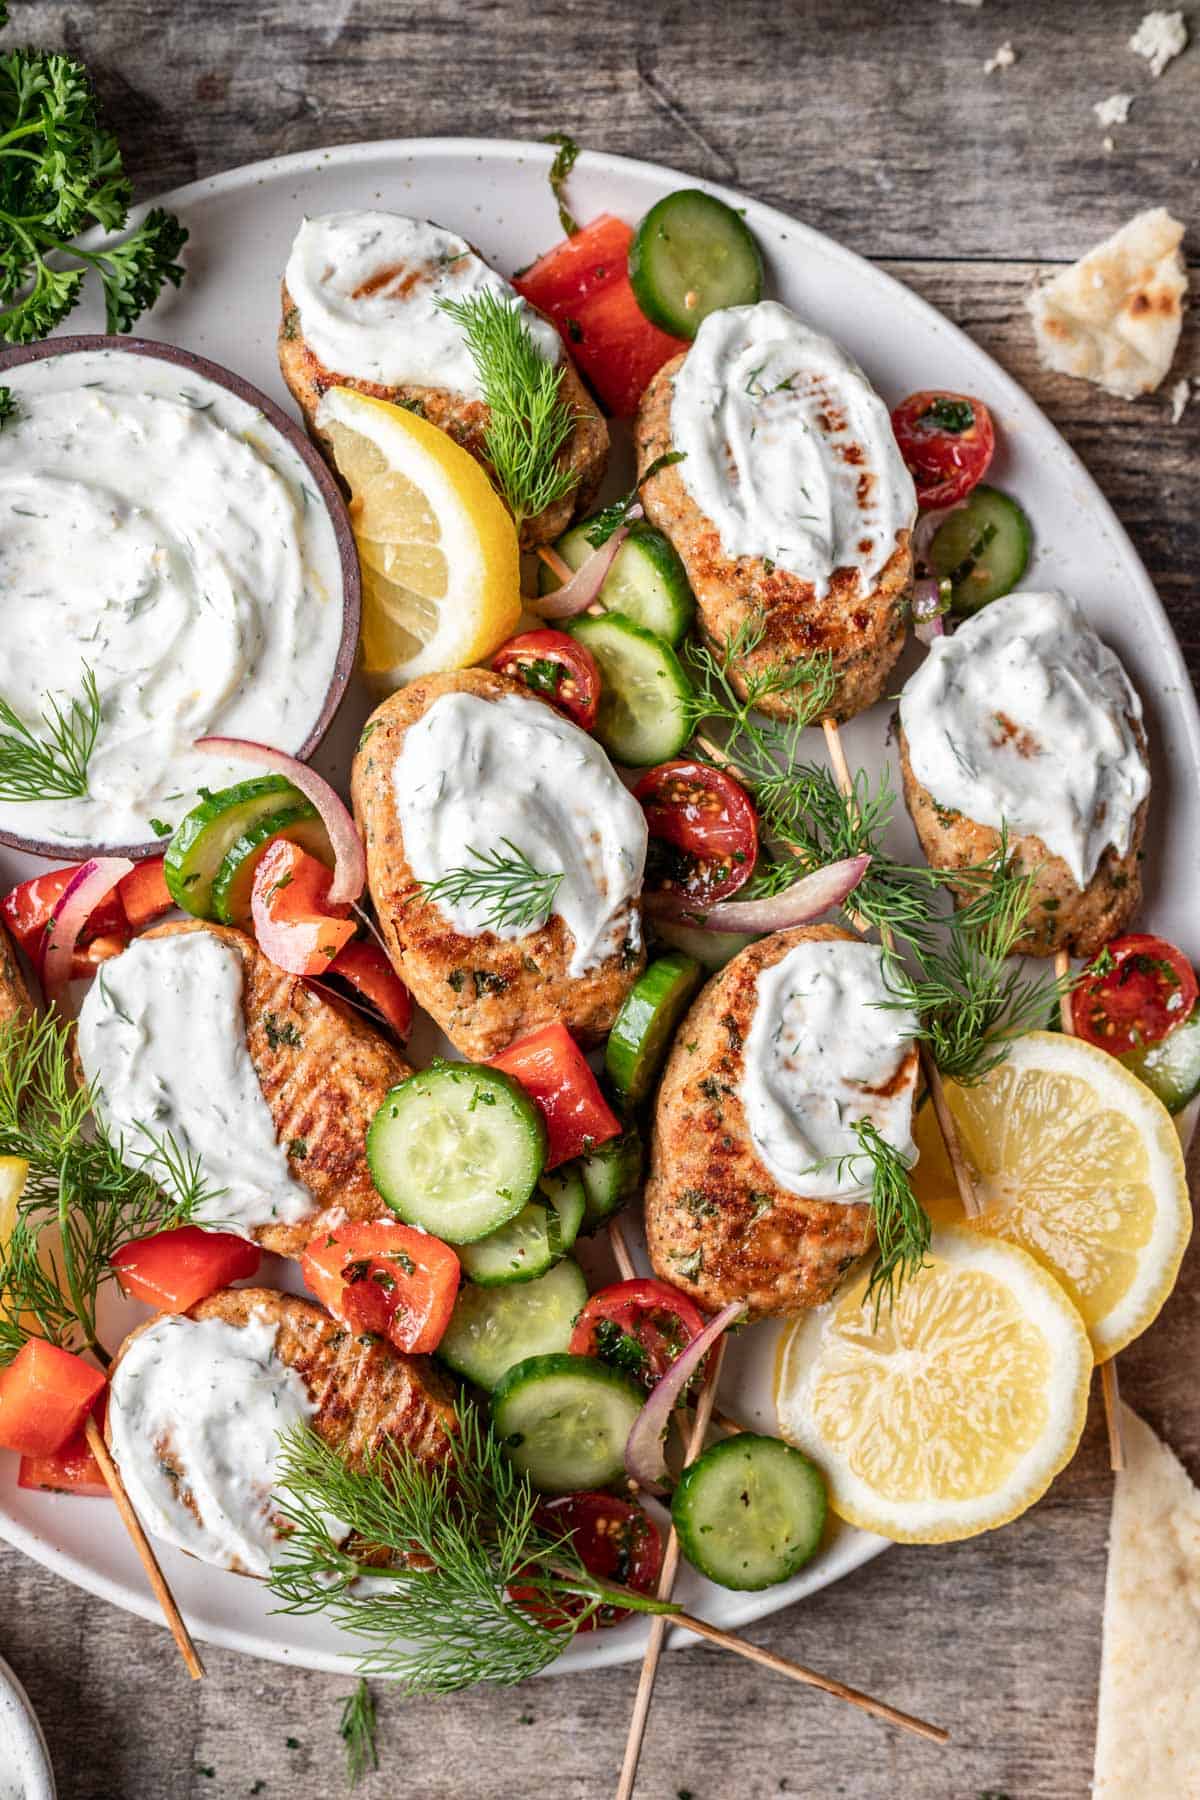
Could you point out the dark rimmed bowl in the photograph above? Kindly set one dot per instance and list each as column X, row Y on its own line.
column 293, row 434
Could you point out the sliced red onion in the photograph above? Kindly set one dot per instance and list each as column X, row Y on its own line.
column 799, row 904
column 350, row 863
column 91, row 883
column 644, row 1458
column 926, row 529
column 929, row 601
column 583, row 589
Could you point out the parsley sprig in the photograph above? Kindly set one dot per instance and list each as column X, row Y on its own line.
column 53, row 765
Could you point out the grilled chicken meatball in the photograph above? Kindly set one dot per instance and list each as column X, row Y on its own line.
column 546, row 788
column 791, row 507
column 359, row 311
column 14, row 995
column 1025, row 717
column 720, row 1222
column 197, row 1400
column 323, row 1072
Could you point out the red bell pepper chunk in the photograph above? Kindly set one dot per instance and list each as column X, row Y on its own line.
column 579, row 266
column 552, row 1069
column 369, row 972
column 143, row 893
column 293, row 920
column 387, row 1278
column 45, row 1396
column 174, row 1269
column 137, row 899
column 71, row 1470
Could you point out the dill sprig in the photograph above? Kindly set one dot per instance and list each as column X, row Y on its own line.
column 8, row 406
column 436, row 1615
column 530, row 421
column 513, row 892
column 357, row 1732
column 565, row 159
column 53, row 766
column 902, row 1226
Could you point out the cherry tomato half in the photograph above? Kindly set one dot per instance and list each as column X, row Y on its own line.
column 1136, row 992
column 615, row 1541
column 703, row 831
column 638, row 1326
column 553, row 664
column 947, row 441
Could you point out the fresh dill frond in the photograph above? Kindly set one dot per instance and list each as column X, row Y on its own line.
column 530, row 421
column 560, row 168
column 508, row 890
column 8, row 406
column 902, row 1225
column 610, row 518
column 357, row 1732
column 53, row 766
column 435, row 1613
column 178, row 1170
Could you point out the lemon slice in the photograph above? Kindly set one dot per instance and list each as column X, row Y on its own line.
column 957, row 1411
column 14, row 1172
column 1078, row 1163
column 440, row 564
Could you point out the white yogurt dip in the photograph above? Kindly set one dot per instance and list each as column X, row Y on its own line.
column 788, row 448
column 1023, row 717
column 497, row 775
column 163, row 1035
column 367, row 287
column 158, row 530
column 824, row 1051
column 195, row 1412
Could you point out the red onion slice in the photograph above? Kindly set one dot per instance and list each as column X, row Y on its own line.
column 350, row 863
column 929, row 601
column 582, row 591
column 799, row 904
column 91, row 883
column 644, row 1459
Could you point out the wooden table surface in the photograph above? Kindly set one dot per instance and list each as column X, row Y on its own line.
column 878, row 124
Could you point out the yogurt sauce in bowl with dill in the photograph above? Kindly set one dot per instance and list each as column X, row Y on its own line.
column 169, row 568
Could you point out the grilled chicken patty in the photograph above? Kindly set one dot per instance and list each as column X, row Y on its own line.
column 465, row 420
column 718, row 1224
column 14, row 995
column 863, row 633
column 483, row 991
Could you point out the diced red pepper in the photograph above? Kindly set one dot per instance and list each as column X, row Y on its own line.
column 174, row 1269
column 45, row 1396
column 137, row 899
column 595, row 257
column 368, row 970
column 293, row 920
column 71, row 1470
column 387, row 1278
column 143, row 893
column 552, row 1069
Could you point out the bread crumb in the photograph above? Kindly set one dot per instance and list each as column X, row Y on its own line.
column 1004, row 58
column 1114, row 110
column 1181, row 393
column 1160, row 38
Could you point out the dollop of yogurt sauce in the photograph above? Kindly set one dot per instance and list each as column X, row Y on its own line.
column 824, row 1051
column 368, row 285
column 195, row 1411
column 1023, row 717
column 788, row 448
column 158, row 530
column 163, row 1035
column 492, row 776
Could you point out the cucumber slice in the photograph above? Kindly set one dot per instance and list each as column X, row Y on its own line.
column 491, row 1329
column 690, row 255
column 457, row 1150
column 204, row 837
column 564, row 1421
column 644, row 716
column 1171, row 1069
column 643, row 1029
column 750, row 1511
column 564, row 1190
column 712, row 949
column 646, row 580
column 231, row 890
column 982, row 549
column 520, row 1251
column 611, row 1176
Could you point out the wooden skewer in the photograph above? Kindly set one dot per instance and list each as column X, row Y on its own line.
column 1108, row 1370
column 557, row 564
column 141, row 1543
column 620, row 1248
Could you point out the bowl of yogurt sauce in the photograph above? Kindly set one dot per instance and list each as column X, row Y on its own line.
column 25, row 1768
column 170, row 535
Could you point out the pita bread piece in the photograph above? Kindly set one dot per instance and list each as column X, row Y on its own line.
column 1114, row 316
column 1148, row 1729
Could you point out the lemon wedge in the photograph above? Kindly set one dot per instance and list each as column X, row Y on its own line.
column 14, row 1172
column 1079, row 1164
column 955, row 1412
column 440, row 563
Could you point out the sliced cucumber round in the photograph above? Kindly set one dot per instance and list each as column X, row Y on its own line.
column 234, row 883
column 981, row 549
column 564, row 1421
column 457, row 1149
column 203, row 838
column 645, row 716
column 1171, row 1068
column 690, row 255
column 520, row 1251
column 646, row 580
column 750, row 1511
column 493, row 1328
column 611, row 1176
column 712, row 949
column 643, row 1029
column 563, row 1188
